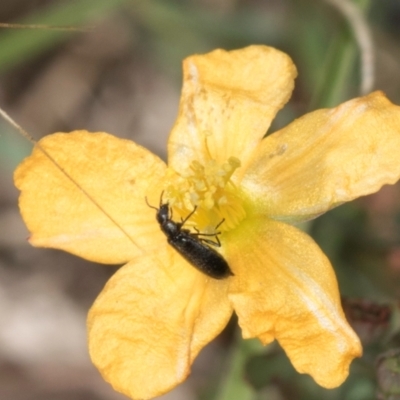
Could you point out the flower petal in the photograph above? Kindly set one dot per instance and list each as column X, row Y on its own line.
column 100, row 212
column 284, row 288
column 228, row 102
column 150, row 322
column 326, row 158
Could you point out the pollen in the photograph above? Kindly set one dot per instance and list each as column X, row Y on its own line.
column 210, row 188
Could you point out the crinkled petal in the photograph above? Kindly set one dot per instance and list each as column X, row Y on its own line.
column 284, row 288
column 105, row 218
column 150, row 322
column 229, row 99
column 326, row 158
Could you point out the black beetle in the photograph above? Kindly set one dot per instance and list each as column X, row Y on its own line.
column 190, row 245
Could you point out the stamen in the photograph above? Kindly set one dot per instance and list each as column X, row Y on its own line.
column 209, row 188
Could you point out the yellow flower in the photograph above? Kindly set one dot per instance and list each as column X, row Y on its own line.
column 157, row 312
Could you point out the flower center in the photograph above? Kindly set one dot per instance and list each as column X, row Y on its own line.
column 209, row 188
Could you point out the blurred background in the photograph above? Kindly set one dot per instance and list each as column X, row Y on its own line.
column 118, row 69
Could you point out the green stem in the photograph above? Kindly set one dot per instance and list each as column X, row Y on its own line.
column 234, row 385
column 339, row 68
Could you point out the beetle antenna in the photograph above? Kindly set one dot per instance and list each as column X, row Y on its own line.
column 223, row 220
column 194, row 210
column 154, row 208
